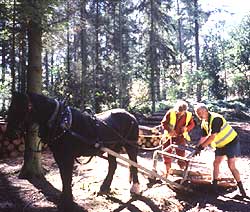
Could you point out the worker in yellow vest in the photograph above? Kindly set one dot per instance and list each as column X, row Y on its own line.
column 177, row 122
column 220, row 135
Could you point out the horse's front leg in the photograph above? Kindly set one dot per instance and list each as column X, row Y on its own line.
column 105, row 187
column 65, row 164
column 132, row 154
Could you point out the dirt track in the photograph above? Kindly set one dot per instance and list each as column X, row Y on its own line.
column 18, row 195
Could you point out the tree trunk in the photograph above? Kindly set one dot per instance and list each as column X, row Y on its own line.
column 52, row 71
column 13, row 61
column 122, row 84
column 152, row 58
column 32, row 156
column 197, row 48
column 97, row 100
column 68, row 43
column 23, row 58
column 83, row 52
column 180, row 36
column 46, row 64
column 196, row 31
column 4, row 65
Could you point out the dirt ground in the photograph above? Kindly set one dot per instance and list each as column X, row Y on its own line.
column 18, row 195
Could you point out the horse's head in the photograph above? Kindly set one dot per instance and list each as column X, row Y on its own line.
column 18, row 115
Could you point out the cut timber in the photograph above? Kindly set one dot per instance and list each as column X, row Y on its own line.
column 21, row 148
column 14, row 154
column 144, row 130
column 190, row 173
column 17, row 142
column 10, row 147
column 224, row 184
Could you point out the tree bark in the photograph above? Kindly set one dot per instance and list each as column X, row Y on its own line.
column 180, row 36
column 152, row 55
column 52, row 72
column 13, row 61
column 197, row 48
column 32, row 166
column 4, row 63
column 83, row 52
column 23, row 58
column 46, row 64
column 97, row 95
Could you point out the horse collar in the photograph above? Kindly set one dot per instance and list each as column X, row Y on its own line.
column 53, row 116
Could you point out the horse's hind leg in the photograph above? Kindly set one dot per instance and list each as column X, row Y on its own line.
column 132, row 154
column 105, row 187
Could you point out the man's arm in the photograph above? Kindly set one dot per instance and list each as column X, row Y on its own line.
column 216, row 126
column 190, row 126
column 165, row 124
column 205, row 141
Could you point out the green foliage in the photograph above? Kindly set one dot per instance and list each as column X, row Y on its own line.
column 239, row 54
column 239, row 86
column 212, row 63
column 126, row 43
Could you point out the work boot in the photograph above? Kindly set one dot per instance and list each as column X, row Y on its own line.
column 242, row 190
column 215, row 186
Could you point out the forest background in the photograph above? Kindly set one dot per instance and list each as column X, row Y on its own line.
column 140, row 55
column 133, row 54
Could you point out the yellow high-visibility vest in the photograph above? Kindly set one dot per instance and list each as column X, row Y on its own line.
column 172, row 123
column 226, row 134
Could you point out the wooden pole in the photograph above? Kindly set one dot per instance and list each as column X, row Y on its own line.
column 148, row 172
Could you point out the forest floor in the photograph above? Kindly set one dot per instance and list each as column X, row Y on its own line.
column 18, row 195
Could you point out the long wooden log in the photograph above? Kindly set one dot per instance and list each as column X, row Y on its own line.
column 190, row 173
column 21, row 148
column 148, row 172
column 13, row 154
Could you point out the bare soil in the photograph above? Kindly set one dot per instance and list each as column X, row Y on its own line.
column 19, row 195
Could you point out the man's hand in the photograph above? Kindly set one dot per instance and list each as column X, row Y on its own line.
column 173, row 133
column 184, row 129
column 198, row 150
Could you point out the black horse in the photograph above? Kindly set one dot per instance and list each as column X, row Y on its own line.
column 70, row 134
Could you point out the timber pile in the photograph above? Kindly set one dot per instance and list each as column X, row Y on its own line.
column 149, row 137
column 150, row 130
column 10, row 148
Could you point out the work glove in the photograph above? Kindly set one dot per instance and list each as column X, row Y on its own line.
column 198, row 150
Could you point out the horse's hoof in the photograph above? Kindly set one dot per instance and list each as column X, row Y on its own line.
column 103, row 192
column 65, row 208
column 135, row 189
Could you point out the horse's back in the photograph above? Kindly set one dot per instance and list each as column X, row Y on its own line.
column 121, row 121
